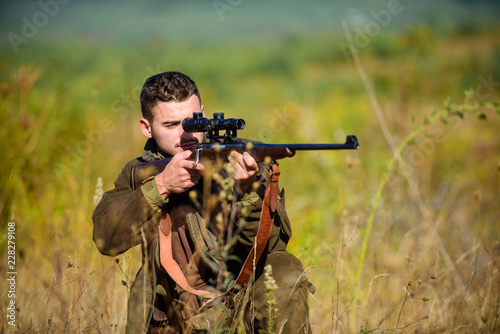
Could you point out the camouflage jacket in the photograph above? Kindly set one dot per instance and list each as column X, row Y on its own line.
column 126, row 217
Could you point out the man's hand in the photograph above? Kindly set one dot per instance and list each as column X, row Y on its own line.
column 179, row 175
column 245, row 169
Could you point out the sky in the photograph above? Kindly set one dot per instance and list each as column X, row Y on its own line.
column 23, row 22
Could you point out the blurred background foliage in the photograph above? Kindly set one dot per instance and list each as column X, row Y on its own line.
column 69, row 112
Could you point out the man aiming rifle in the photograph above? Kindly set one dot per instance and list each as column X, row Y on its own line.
column 205, row 241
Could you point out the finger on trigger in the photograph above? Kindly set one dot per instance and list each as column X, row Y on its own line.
column 197, row 167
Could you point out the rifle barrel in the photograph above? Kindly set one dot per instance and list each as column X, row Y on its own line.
column 350, row 144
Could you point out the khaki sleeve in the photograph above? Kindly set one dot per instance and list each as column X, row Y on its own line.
column 124, row 214
column 151, row 193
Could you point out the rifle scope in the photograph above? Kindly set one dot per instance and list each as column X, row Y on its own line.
column 198, row 123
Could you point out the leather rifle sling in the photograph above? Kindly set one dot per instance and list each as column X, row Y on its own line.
column 265, row 225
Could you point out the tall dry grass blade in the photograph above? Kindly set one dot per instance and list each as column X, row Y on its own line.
column 411, row 182
column 27, row 150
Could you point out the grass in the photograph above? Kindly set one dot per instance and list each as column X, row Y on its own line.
column 420, row 206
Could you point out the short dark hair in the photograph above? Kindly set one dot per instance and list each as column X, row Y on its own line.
column 166, row 87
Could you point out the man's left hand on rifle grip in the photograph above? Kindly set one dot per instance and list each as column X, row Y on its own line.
column 244, row 168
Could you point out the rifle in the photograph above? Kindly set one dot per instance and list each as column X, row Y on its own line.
column 219, row 146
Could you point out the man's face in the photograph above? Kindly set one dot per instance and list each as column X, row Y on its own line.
column 166, row 127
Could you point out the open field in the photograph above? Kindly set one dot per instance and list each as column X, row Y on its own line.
column 401, row 236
